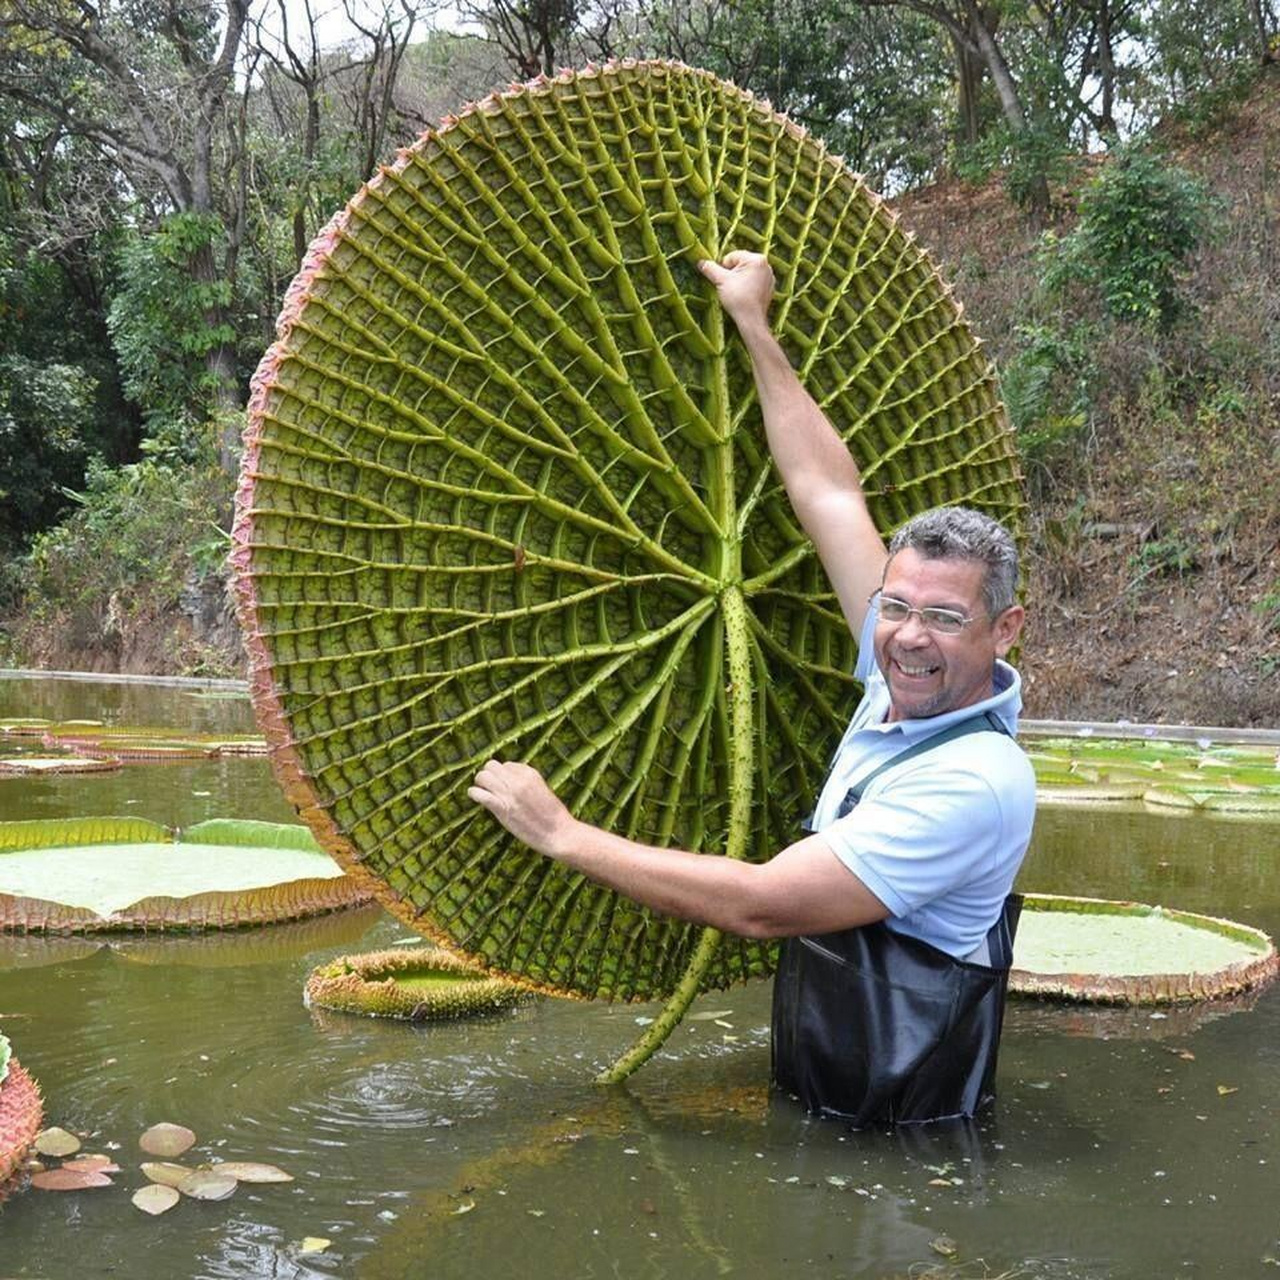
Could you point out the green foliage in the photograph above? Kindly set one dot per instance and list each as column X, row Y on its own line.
column 57, row 401
column 164, row 321
column 1141, row 219
column 126, row 547
column 1173, row 554
column 1047, row 389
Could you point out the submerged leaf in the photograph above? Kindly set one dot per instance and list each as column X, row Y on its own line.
column 69, row 1179
column 204, row 1184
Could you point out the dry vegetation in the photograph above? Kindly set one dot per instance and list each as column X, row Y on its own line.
column 1154, row 558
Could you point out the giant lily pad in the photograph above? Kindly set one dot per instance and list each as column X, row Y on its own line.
column 83, row 875
column 21, row 1112
column 1090, row 949
column 505, row 492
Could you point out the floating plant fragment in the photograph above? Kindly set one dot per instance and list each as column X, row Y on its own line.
column 505, row 491
column 91, row 874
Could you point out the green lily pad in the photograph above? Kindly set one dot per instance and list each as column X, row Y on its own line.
column 109, row 873
column 1091, row 949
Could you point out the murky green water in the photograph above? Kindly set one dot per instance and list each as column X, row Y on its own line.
column 482, row 1148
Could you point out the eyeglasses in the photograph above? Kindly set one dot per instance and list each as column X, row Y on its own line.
column 946, row 622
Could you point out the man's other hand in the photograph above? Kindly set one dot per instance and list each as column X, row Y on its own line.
column 744, row 282
column 519, row 798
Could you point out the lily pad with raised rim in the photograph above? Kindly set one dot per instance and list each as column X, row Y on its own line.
column 1092, row 949
column 90, row 874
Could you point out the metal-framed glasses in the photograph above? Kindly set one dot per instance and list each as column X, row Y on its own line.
column 946, row 622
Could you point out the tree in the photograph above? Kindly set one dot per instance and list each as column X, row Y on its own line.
column 150, row 91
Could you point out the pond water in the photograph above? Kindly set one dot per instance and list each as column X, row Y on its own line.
column 1124, row 1144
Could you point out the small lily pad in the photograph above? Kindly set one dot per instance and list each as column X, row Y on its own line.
column 155, row 1198
column 204, row 1184
column 313, row 1244
column 167, row 1140
column 69, row 1179
column 56, row 1142
column 251, row 1171
column 165, row 1173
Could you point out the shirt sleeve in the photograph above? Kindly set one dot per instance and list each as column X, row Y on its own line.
column 919, row 836
column 867, row 642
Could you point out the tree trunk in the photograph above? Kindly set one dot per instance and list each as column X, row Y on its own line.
column 969, row 73
column 1106, row 71
column 1264, row 36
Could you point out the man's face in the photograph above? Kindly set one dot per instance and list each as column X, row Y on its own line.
column 928, row 673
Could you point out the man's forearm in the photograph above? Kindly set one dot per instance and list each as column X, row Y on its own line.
column 689, row 886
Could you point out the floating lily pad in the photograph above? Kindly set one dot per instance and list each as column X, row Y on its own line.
column 45, row 765
column 167, row 1139
column 251, row 1171
column 156, row 1198
column 1186, row 776
column 90, row 874
column 65, row 1179
column 416, row 983
column 165, row 1172
column 1090, row 949
column 56, row 1142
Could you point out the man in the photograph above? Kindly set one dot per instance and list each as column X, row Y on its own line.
column 892, row 1012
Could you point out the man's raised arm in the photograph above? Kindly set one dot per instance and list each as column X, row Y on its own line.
column 817, row 469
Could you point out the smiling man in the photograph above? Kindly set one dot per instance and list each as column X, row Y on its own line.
column 896, row 905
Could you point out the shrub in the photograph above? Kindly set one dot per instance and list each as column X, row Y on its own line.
column 1141, row 220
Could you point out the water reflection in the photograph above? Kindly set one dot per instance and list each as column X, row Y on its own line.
column 457, row 1150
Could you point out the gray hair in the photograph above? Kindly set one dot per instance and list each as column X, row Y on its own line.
column 960, row 533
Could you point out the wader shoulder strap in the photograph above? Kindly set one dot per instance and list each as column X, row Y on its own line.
column 988, row 721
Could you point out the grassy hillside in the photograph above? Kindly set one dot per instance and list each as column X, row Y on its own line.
column 1154, row 565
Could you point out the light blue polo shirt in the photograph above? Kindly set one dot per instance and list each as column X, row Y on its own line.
column 940, row 839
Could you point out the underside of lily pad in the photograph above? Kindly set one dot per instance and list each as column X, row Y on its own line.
column 418, row 984
column 506, row 492
column 89, row 874
column 1091, row 949
column 21, row 1112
